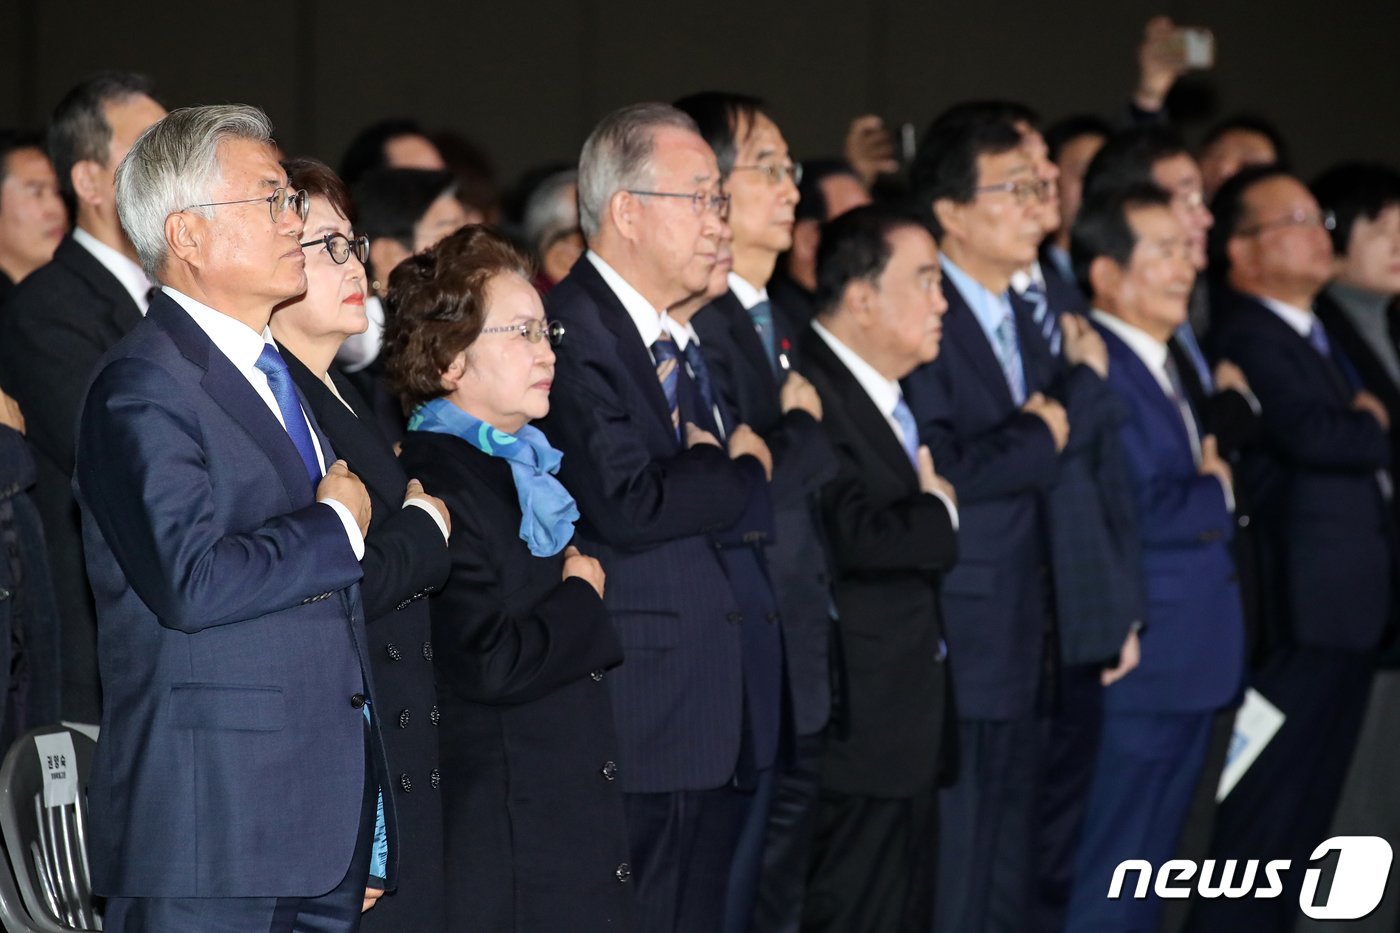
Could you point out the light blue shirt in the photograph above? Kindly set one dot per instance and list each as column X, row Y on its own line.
column 989, row 309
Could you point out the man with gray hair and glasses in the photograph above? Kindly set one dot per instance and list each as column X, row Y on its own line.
column 236, row 776
column 665, row 508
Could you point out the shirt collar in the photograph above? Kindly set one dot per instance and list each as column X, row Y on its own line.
column 682, row 334
column 647, row 319
column 130, row 274
column 1296, row 318
column 1022, row 278
column 989, row 309
column 1149, row 349
column 883, row 392
column 748, row 295
column 235, row 340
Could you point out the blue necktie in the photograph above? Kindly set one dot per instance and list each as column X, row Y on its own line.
column 908, row 432
column 1186, row 338
column 666, row 353
column 1048, row 323
column 1009, row 356
column 700, row 373
column 279, row 380
column 1318, row 338
column 762, row 316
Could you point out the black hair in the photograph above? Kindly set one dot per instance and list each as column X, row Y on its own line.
column 366, row 151
column 12, row 141
column 78, row 128
column 1102, row 227
column 1128, row 157
column 389, row 202
column 856, row 246
column 1064, row 131
column 721, row 116
column 812, row 205
column 1228, row 209
column 1355, row 191
column 1251, row 123
column 946, row 164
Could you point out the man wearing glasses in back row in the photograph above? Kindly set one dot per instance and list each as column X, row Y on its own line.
column 239, row 762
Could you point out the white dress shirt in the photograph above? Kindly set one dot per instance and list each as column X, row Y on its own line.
column 1296, row 318
column 748, row 295
column 242, row 346
column 885, row 393
column 130, row 274
column 683, row 334
column 649, row 320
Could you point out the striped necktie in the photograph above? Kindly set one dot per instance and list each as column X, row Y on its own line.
column 1049, row 325
column 666, row 354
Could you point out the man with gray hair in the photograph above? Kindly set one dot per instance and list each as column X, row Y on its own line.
column 236, row 775
column 54, row 329
column 667, row 510
column 550, row 226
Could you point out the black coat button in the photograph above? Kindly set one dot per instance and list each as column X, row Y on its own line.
column 403, row 719
column 610, row 770
column 427, row 651
column 394, row 653
column 624, row 873
column 358, row 701
column 405, row 783
column 772, row 617
column 735, row 617
column 597, row 676
column 435, row 717
column 435, row 778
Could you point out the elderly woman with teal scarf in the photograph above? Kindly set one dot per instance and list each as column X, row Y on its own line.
column 534, row 832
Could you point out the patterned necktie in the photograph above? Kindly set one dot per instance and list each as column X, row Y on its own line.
column 1048, row 323
column 908, row 432
column 666, row 353
column 700, row 375
column 762, row 316
column 279, row 380
column 1009, row 356
column 1178, row 397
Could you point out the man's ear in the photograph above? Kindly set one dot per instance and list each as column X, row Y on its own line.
column 184, row 235
column 84, row 178
column 1105, row 276
column 859, row 301
column 622, row 210
column 949, row 214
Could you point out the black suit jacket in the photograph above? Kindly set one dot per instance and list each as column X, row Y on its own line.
column 54, row 327
column 650, row 509
column 1326, row 541
column 405, row 559
column 891, row 544
column 534, row 819
column 803, row 461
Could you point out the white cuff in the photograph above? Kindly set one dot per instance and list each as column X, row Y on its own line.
column 428, row 507
column 352, row 528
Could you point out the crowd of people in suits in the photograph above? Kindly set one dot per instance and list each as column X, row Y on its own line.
column 732, row 543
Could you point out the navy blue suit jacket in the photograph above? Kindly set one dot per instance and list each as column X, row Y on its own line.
column 1193, row 646
column 650, row 510
column 230, row 634
column 1326, row 541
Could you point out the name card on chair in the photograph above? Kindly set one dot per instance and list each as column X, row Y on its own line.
column 59, row 764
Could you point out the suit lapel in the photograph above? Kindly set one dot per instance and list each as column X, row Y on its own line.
column 961, row 328
column 746, row 337
column 1126, row 361
column 123, row 311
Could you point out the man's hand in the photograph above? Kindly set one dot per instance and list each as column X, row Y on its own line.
column 415, row 491
column 345, row 487
column 694, row 435
column 930, row 481
column 587, row 569
column 798, row 393
column 1083, row 344
column 1159, row 64
column 372, row 896
column 1213, row 465
column 1365, row 401
column 11, row 416
column 1054, row 416
column 744, row 442
column 1228, row 376
column 870, row 149
column 1128, row 658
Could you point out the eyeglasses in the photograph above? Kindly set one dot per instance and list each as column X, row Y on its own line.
column 531, row 330
column 1022, row 191
column 1191, row 199
column 277, row 203
column 717, row 204
column 774, row 173
column 340, row 247
column 1299, row 218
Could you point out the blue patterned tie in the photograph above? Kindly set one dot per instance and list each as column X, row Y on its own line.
column 666, row 353
column 908, row 432
column 762, row 316
column 700, row 374
column 1048, row 323
column 1009, row 356
column 279, row 380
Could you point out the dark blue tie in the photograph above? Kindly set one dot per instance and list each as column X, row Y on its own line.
column 762, row 316
column 700, row 374
column 666, row 354
column 1186, row 338
column 279, row 380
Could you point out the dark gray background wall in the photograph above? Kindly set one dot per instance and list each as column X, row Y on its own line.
column 528, row 78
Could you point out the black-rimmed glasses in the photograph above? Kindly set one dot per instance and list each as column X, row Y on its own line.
column 717, row 204
column 1022, row 191
column 340, row 247
column 1327, row 220
column 277, row 203
column 532, row 331
column 774, row 173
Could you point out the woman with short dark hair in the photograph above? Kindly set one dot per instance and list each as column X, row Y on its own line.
column 535, row 838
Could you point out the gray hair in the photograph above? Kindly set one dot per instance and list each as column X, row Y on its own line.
column 174, row 165
column 617, row 155
column 550, row 209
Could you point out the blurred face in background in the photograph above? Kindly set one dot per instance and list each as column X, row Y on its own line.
column 1372, row 260
column 32, row 216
